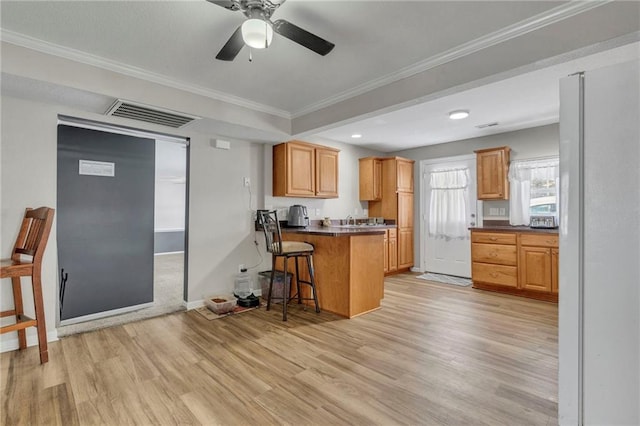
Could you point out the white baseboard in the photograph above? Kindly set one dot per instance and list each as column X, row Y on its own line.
column 12, row 344
column 193, row 305
column 414, row 269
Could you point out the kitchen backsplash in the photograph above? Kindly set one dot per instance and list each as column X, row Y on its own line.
column 495, row 210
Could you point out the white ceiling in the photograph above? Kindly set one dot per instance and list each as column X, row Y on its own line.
column 378, row 43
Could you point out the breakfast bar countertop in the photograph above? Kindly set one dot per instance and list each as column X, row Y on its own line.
column 340, row 231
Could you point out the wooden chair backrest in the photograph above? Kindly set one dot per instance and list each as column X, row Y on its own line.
column 272, row 232
column 34, row 233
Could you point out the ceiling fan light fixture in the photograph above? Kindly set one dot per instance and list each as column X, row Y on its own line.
column 257, row 33
column 458, row 114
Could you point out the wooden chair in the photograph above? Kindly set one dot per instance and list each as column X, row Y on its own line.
column 286, row 250
column 31, row 241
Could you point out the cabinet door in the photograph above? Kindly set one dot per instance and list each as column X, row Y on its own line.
column 386, row 251
column 554, row 270
column 405, row 248
column 493, row 274
column 301, row 166
column 492, row 174
column 535, row 268
column 326, row 173
column 405, row 210
column 370, row 179
column 404, row 170
column 393, row 254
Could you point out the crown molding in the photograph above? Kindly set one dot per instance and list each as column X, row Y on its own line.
column 533, row 23
column 22, row 40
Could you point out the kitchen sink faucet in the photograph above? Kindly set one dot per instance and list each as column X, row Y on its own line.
column 349, row 218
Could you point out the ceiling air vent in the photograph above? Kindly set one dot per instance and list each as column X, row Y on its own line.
column 149, row 114
column 484, row 126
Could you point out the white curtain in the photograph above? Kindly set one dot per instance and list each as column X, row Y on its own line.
column 448, row 204
column 521, row 175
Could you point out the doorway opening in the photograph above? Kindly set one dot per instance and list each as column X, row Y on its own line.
column 122, row 221
column 448, row 208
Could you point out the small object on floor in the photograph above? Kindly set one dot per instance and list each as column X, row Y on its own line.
column 221, row 304
column 251, row 301
column 446, row 279
column 208, row 314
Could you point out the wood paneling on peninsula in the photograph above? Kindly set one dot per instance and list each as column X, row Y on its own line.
column 348, row 269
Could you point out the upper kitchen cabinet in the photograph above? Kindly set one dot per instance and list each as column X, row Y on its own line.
column 305, row 170
column 326, row 172
column 493, row 171
column 404, row 175
column 370, row 179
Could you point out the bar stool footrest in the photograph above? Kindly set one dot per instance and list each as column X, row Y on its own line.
column 22, row 322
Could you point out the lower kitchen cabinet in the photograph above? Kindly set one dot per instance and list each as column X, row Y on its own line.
column 535, row 268
column 391, row 251
column 516, row 262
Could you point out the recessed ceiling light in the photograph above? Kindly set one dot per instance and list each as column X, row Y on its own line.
column 356, row 136
column 459, row 114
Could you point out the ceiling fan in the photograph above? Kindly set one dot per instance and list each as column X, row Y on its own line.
column 257, row 30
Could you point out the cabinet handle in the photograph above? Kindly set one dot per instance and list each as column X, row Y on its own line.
column 493, row 238
column 494, row 254
column 494, row 274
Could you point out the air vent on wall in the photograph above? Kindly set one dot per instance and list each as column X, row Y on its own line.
column 484, row 126
column 149, row 114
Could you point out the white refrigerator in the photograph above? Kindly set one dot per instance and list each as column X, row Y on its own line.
column 599, row 297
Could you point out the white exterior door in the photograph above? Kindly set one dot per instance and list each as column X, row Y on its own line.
column 451, row 256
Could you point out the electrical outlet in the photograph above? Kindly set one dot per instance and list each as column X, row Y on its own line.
column 503, row 211
column 240, row 267
column 317, row 212
column 246, row 181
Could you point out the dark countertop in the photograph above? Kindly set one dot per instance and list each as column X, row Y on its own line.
column 335, row 231
column 498, row 228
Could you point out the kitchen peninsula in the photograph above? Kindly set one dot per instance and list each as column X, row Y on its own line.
column 348, row 264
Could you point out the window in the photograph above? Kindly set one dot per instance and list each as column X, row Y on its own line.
column 534, row 189
column 449, row 203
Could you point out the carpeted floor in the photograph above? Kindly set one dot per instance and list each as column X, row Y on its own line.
column 446, row 279
column 168, row 285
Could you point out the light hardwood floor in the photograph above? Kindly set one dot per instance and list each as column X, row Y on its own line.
column 433, row 354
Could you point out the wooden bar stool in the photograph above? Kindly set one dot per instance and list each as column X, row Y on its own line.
column 31, row 241
column 286, row 250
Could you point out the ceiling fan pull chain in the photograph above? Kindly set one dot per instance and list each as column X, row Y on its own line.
column 266, row 43
column 250, row 57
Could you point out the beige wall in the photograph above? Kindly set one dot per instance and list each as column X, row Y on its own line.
column 221, row 231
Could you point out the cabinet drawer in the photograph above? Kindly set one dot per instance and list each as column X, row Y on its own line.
column 493, row 238
column 495, row 274
column 540, row 240
column 494, row 253
column 393, row 232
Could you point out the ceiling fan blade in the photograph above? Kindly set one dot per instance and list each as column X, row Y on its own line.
column 227, row 4
column 233, row 46
column 302, row 37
